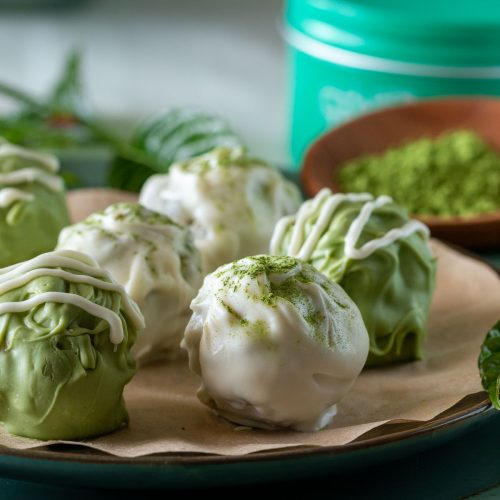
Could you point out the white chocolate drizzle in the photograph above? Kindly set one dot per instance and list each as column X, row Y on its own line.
column 15, row 276
column 327, row 203
column 8, row 196
column 43, row 173
column 32, row 174
column 50, row 162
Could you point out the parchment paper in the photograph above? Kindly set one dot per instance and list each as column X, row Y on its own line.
column 166, row 416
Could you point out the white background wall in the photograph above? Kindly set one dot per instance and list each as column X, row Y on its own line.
column 142, row 56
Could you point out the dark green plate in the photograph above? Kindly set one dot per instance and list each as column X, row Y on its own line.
column 81, row 467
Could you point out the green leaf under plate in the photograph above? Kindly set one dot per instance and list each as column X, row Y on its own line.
column 489, row 365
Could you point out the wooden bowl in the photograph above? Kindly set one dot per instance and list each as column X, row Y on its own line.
column 380, row 130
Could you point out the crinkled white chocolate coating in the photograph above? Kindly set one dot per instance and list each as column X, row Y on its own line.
column 276, row 343
column 230, row 201
column 154, row 259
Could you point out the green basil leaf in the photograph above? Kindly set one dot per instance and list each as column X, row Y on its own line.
column 489, row 365
column 176, row 135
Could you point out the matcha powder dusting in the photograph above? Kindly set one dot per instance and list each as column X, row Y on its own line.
column 457, row 174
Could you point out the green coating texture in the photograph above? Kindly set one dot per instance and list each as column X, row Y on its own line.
column 60, row 375
column 457, row 174
column 489, row 365
column 30, row 227
column 392, row 287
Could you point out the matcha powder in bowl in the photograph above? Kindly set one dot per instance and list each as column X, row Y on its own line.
column 455, row 174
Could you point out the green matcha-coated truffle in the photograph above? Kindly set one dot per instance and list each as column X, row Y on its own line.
column 61, row 375
column 392, row 286
column 29, row 223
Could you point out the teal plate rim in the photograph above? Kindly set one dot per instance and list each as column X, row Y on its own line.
column 69, row 466
column 473, row 405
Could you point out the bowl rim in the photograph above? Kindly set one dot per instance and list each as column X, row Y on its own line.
column 307, row 170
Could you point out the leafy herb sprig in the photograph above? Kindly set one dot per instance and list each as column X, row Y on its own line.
column 62, row 120
column 489, row 365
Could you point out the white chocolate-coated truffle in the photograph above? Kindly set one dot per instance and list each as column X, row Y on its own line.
column 276, row 343
column 154, row 259
column 229, row 200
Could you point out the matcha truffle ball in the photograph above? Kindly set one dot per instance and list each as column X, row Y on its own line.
column 276, row 343
column 154, row 259
column 66, row 329
column 378, row 255
column 230, row 201
column 32, row 203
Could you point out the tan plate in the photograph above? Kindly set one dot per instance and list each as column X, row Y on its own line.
column 377, row 131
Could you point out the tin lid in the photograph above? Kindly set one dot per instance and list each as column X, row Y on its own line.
column 423, row 36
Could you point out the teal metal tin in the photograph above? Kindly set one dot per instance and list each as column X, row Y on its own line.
column 348, row 57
